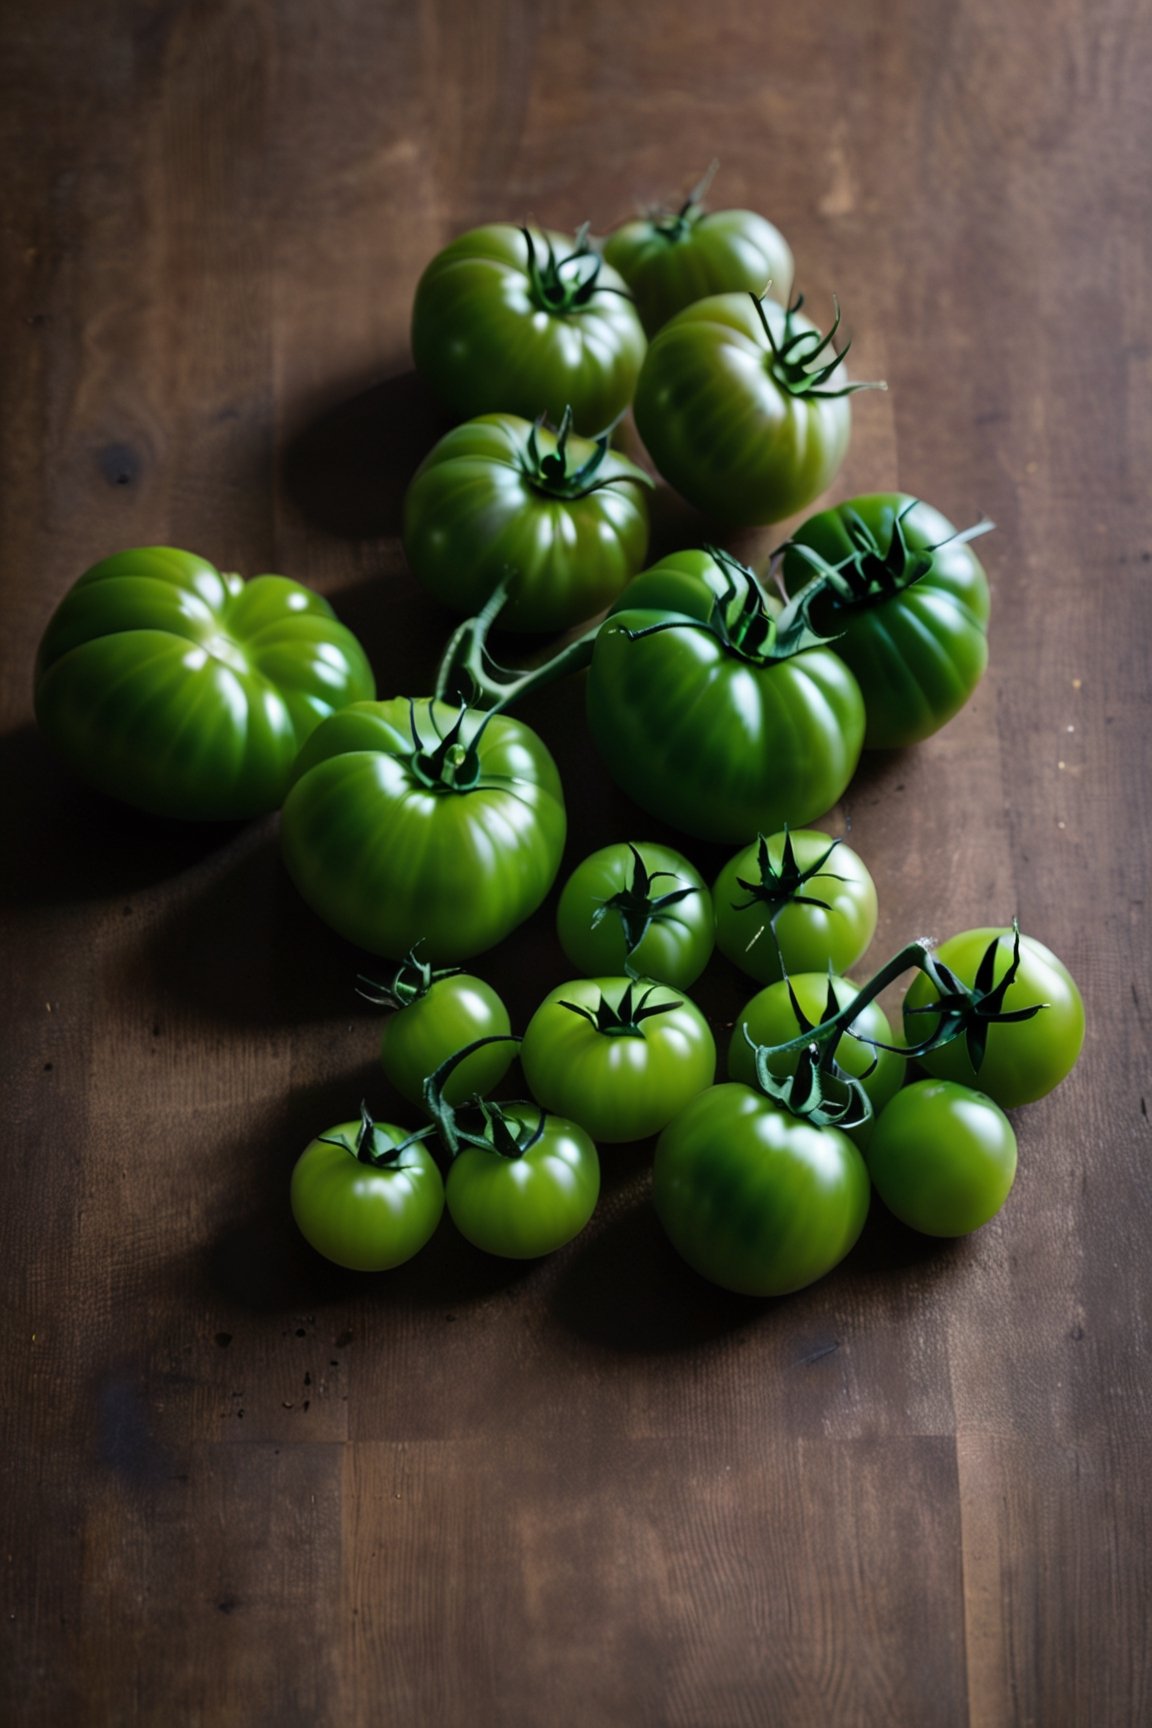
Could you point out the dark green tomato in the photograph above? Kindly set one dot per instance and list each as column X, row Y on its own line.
column 391, row 853
column 494, row 499
column 530, row 1205
column 188, row 693
column 453, row 1012
column 665, row 933
column 1023, row 1060
column 527, row 326
column 722, row 427
column 943, row 1158
column 771, row 1019
column 810, row 937
column 618, row 1084
column 670, row 261
column 755, row 1199
column 918, row 651
column 360, row 1215
column 717, row 744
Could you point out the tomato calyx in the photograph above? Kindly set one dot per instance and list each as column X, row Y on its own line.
column 781, row 886
column 636, row 906
column 674, row 225
column 410, row 982
column 795, row 362
column 818, row 1090
column 370, row 1147
column 872, row 573
column 969, row 1011
column 550, row 473
column 451, row 765
column 478, row 1123
column 568, row 284
column 624, row 1019
column 739, row 619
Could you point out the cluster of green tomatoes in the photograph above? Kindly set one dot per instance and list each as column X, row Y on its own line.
column 425, row 828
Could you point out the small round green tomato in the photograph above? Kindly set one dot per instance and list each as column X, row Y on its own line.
column 528, row 1205
column 453, row 1011
column 370, row 1209
column 943, row 1158
column 1023, row 1060
column 771, row 1019
column 641, row 903
column 755, row 1199
column 823, row 899
column 617, row 1056
column 564, row 519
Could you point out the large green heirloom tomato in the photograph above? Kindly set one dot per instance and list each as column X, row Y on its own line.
column 417, row 822
column 943, row 1158
column 711, row 717
column 534, row 1196
column 672, row 258
column 907, row 602
column 641, row 904
column 186, row 692
column 366, row 1195
column 799, row 898
column 770, row 1018
column 755, row 1199
column 617, row 1056
column 564, row 519
column 530, row 322
column 741, row 409
column 1023, row 1058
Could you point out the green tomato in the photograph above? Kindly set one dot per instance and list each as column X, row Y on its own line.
column 528, row 322
column 642, row 903
column 564, row 519
column 416, row 822
column 1025, row 1059
column 621, row 1060
column 434, row 1014
column 188, row 693
column 672, row 258
column 820, row 894
column 741, row 410
column 366, row 1196
column 770, row 1018
column 701, row 726
column 909, row 612
column 755, row 1199
column 520, row 1207
column 943, row 1158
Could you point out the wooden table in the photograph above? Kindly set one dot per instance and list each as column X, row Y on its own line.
column 242, row 1487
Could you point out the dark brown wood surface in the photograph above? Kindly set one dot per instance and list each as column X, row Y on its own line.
column 241, row 1487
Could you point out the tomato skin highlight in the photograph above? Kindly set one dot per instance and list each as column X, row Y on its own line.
column 1024, row 1060
column 943, row 1158
column 719, row 427
column 669, row 266
column 390, row 862
column 521, row 1208
column 188, row 693
column 754, row 1199
column 620, row 1087
column 919, row 654
column 487, row 342
column 365, row 1218
column 810, row 938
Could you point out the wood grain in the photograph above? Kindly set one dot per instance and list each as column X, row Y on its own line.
column 243, row 1487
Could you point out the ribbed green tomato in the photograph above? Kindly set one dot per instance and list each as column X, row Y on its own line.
column 188, row 693
column 909, row 612
column 770, row 1018
column 741, row 410
column 621, row 1060
column 530, row 1204
column 412, row 822
column 674, row 258
column 528, row 322
column 701, row 724
column 566, row 520
column 943, row 1158
column 642, row 903
column 823, row 920
column 361, row 1201
column 755, row 1199
column 1025, row 1059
